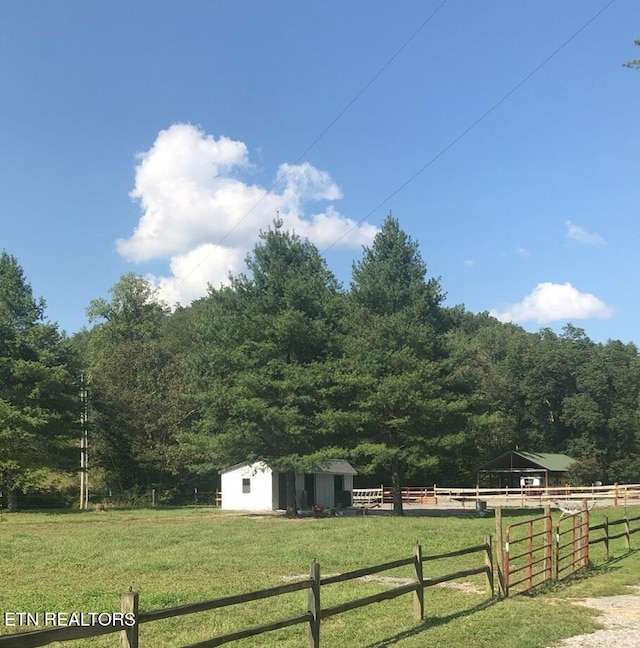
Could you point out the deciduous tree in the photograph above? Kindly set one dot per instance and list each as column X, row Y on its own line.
column 139, row 400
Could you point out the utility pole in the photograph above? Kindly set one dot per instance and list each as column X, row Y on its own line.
column 84, row 444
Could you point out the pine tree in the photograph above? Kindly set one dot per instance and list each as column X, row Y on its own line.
column 394, row 357
column 259, row 356
column 38, row 389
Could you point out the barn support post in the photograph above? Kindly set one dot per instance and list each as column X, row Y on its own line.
column 129, row 605
column 418, row 600
column 314, row 606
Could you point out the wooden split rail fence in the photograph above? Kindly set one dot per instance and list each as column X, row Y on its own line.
column 607, row 536
column 312, row 617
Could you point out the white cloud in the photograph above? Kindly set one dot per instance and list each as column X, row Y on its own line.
column 576, row 233
column 469, row 263
column 549, row 302
column 523, row 252
column 305, row 182
column 199, row 214
column 323, row 229
column 193, row 271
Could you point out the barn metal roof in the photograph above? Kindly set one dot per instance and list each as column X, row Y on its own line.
column 517, row 459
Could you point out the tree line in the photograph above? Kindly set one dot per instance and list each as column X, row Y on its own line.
column 286, row 365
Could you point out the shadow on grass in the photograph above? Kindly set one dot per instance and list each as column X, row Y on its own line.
column 541, row 590
column 555, row 586
column 433, row 622
column 54, row 510
column 455, row 512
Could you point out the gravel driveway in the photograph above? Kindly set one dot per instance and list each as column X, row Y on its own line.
column 621, row 618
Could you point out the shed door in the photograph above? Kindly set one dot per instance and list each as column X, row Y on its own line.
column 282, row 491
column 310, row 489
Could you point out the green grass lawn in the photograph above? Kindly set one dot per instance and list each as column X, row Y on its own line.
column 83, row 561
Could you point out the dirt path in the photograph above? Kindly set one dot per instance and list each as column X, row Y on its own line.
column 621, row 618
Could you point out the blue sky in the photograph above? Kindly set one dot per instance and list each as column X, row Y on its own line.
column 144, row 137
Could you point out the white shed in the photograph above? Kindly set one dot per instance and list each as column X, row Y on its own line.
column 256, row 487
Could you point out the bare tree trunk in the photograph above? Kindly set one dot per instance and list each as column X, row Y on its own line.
column 9, row 493
column 396, row 485
column 292, row 507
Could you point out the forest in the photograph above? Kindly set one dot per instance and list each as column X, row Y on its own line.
column 287, row 365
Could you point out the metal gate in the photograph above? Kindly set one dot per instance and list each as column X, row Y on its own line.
column 572, row 544
column 528, row 550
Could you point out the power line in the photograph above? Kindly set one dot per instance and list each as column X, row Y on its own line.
column 472, row 126
column 369, row 83
column 331, row 124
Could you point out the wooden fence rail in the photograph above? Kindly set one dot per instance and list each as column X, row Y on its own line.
column 384, row 495
column 606, row 537
column 313, row 616
column 36, row 638
column 486, row 548
column 616, row 494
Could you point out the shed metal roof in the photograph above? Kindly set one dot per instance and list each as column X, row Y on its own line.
column 329, row 467
column 335, row 467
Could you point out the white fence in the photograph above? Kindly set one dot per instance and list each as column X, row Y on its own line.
column 615, row 494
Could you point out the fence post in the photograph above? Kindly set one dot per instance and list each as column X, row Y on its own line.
column 418, row 599
column 488, row 561
column 129, row 605
column 627, row 532
column 585, row 533
column 556, row 550
column 606, row 536
column 548, row 542
column 499, row 554
column 314, row 606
